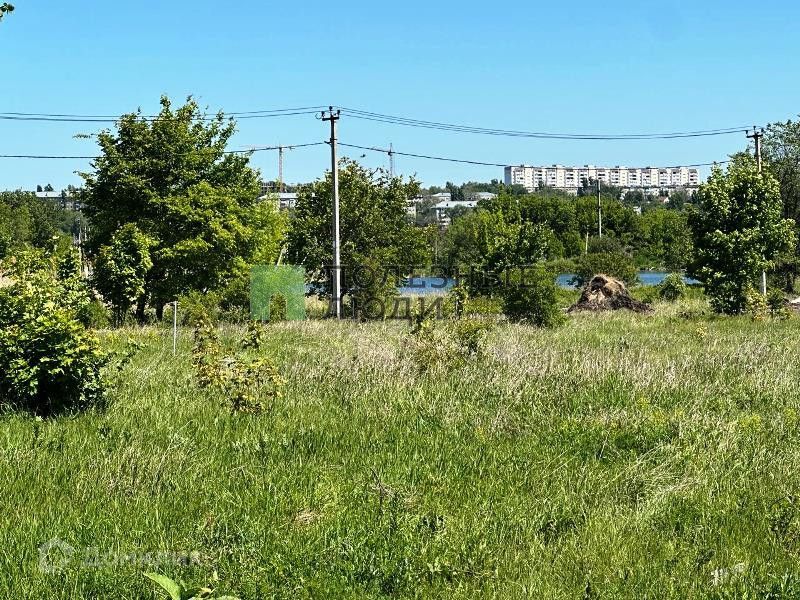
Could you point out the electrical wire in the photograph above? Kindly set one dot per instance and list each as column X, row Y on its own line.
column 248, row 151
column 395, row 120
column 392, row 151
column 75, row 118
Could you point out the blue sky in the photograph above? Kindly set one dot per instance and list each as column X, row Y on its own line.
column 579, row 67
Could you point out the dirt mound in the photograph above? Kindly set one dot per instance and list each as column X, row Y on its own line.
column 606, row 293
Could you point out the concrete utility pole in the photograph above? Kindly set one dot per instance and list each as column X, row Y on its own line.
column 391, row 161
column 599, row 211
column 756, row 137
column 333, row 117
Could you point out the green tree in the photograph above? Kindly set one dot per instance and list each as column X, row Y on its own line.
column 665, row 239
column 616, row 264
column 375, row 230
column 5, row 8
column 121, row 268
column 781, row 151
column 173, row 179
column 738, row 231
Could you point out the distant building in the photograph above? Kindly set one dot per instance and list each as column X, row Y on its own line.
column 478, row 196
column 411, row 205
column 442, row 197
column 648, row 179
column 443, row 209
column 66, row 199
column 282, row 200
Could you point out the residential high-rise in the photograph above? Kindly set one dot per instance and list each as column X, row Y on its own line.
column 571, row 178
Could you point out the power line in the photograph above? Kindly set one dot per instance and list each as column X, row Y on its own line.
column 248, row 151
column 395, row 120
column 76, row 118
column 496, row 164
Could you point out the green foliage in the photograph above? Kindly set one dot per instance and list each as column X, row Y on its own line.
column 196, row 307
column 374, row 226
column 179, row 590
column 121, row 269
column 172, row 178
column 266, row 282
column 471, row 336
column 530, row 295
column 5, row 8
column 776, row 302
column 49, row 362
column 444, row 345
column 738, row 231
column 26, row 220
column 458, row 297
column 664, row 239
column 277, row 308
column 249, row 383
column 615, row 264
column 755, row 304
column 673, row 288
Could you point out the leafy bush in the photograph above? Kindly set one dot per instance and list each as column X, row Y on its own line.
column 531, row 295
column 121, row 267
column 471, row 335
column 755, row 304
column 370, row 287
column 196, row 307
column 95, row 315
column 448, row 344
column 673, row 288
column 277, row 308
column 615, row 264
column 777, row 304
column 49, row 362
column 458, row 297
column 248, row 382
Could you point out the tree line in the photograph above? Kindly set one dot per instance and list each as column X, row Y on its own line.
column 172, row 214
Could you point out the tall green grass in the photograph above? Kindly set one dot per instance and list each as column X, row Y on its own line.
column 620, row 456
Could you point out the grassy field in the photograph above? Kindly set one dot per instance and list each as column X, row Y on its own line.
column 620, row 456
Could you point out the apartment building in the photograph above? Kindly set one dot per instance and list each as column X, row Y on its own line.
column 571, row 178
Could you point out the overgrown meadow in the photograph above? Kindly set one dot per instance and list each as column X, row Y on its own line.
column 619, row 456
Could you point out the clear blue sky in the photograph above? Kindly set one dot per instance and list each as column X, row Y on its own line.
column 595, row 67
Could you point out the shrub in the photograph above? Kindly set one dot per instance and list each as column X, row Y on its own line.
column 277, row 308
column 196, row 307
column 777, row 304
column 755, row 304
column 249, row 383
column 615, row 264
column 49, row 362
column 448, row 344
column 471, row 335
column 94, row 315
column 531, row 295
column 673, row 288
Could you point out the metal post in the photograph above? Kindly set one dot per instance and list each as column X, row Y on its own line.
column 337, row 274
column 174, row 327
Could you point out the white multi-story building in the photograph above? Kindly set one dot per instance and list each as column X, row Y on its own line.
column 571, row 178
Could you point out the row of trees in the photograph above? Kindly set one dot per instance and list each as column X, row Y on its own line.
column 656, row 238
column 26, row 220
column 172, row 212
